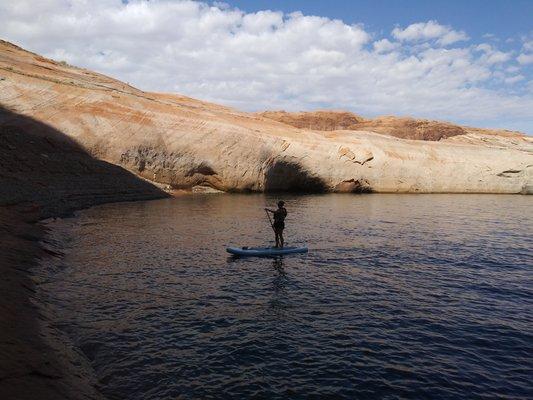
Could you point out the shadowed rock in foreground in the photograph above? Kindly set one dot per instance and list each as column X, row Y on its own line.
column 44, row 173
column 48, row 170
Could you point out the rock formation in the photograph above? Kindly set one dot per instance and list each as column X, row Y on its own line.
column 325, row 120
column 181, row 142
column 401, row 127
column 42, row 166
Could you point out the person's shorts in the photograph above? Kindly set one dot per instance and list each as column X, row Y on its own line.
column 279, row 227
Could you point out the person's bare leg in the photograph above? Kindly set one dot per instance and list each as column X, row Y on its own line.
column 281, row 239
column 277, row 239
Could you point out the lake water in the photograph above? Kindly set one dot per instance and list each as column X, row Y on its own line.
column 400, row 296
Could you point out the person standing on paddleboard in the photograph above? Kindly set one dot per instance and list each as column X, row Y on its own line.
column 279, row 222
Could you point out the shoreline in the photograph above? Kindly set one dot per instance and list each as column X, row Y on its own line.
column 36, row 359
column 45, row 174
column 34, row 362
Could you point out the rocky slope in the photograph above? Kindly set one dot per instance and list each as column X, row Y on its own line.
column 325, row 120
column 401, row 127
column 182, row 142
column 46, row 170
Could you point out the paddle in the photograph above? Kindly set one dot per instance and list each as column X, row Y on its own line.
column 270, row 220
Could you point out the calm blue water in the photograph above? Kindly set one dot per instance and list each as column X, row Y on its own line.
column 401, row 296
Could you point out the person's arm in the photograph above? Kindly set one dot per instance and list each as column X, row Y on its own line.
column 269, row 210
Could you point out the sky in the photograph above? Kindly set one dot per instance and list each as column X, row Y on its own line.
column 468, row 62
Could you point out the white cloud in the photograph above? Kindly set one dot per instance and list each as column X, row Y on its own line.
column 484, row 47
column 525, row 59
column 514, row 79
column 497, row 57
column 528, row 44
column 492, row 56
column 269, row 59
column 430, row 30
column 385, row 45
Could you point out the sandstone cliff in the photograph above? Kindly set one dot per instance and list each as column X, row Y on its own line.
column 182, row 142
column 40, row 165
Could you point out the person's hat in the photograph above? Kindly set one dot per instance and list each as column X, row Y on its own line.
column 281, row 203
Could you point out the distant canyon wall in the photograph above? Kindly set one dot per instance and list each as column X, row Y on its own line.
column 401, row 127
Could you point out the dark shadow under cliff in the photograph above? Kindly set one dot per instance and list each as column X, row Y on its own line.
column 286, row 176
column 43, row 166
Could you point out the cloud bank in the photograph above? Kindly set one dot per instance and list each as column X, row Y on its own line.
column 272, row 60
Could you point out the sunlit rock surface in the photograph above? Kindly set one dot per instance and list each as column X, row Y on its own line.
column 182, row 142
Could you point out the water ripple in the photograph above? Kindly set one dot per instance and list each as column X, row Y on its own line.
column 394, row 300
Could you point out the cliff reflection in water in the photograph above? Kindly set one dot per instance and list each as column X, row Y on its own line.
column 425, row 296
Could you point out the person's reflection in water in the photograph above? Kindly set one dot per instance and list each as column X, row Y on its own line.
column 279, row 301
column 280, row 279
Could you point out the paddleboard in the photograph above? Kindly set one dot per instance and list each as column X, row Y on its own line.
column 265, row 251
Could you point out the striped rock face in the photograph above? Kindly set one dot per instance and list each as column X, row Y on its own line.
column 182, row 143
